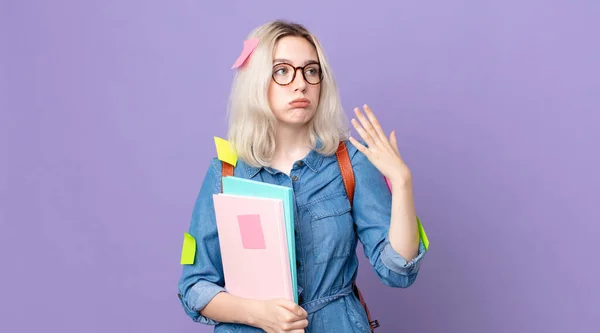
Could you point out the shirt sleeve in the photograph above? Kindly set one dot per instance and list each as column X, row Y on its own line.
column 203, row 280
column 371, row 212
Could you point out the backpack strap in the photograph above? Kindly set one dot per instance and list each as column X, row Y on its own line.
column 347, row 171
column 226, row 170
column 343, row 159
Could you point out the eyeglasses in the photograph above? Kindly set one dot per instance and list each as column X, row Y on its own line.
column 284, row 74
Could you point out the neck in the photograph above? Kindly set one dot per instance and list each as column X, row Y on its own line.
column 291, row 142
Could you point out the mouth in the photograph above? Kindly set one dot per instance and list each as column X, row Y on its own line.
column 300, row 103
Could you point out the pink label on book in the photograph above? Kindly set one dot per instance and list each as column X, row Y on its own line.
column 251, row 231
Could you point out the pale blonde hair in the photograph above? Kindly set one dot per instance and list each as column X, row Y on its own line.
column 252, row 124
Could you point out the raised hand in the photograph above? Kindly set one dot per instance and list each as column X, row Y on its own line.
column 383, row 153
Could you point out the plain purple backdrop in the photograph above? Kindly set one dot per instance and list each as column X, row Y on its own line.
column 109, row 108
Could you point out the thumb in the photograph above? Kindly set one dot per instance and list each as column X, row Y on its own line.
column 394, row 142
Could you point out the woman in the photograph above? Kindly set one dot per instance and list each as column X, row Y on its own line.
column 286, row 122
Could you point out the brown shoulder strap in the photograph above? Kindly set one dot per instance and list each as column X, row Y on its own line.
column 346, row 169
column 226, row 170
column 345, row 164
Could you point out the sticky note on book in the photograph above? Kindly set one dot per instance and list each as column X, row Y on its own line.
column 251, row 231
column 224, row 151
column 188, row 251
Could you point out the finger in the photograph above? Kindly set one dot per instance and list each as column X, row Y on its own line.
column 296, row 325
column 394, row 142
column 293, row 308
column 361, row 148
column 375, row 123
column 288, row 318
column 363, row 134
column 301, row 324
column 366, row 124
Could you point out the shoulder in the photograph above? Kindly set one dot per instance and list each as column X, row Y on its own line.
column 214, row 165
column 361, row 165
column 241, row 169
column 356, row 157
column 212, row 174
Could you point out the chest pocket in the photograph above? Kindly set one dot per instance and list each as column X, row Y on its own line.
column 332, row 227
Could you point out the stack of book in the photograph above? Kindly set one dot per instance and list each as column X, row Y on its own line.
column 255, row 224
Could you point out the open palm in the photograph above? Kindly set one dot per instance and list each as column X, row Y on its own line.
column 380, row 150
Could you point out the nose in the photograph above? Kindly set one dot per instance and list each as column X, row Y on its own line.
column 299, row 83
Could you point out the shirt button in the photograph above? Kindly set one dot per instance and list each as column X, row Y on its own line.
column 294, row 178
column 299, row 163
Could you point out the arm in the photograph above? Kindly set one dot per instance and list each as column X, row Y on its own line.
column 404, row 232
column 381, row 218
column 201, row 286
column 228, row 308
column 387, row 225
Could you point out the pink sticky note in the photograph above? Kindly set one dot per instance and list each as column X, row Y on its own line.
column 251, row 231
column 249, row 46
column 388, row 184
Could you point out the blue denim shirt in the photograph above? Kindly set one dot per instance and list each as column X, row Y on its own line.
column 327, row 232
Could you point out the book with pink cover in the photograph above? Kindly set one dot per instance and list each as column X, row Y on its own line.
column 254, row 247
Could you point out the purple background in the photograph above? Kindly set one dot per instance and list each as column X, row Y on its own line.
column 109, row 109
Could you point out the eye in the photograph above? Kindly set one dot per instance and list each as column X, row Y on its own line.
column 282, row 70
column 312, row 71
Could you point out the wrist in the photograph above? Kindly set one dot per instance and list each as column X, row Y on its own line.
column 252, row 310
column 400, row 182
column 400, row 177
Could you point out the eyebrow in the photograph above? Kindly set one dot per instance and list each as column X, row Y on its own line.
column 280, row 60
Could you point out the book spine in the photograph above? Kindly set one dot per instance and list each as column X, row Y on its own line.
column 286, row 257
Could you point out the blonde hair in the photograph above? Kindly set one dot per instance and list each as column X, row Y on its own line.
column 252, row 124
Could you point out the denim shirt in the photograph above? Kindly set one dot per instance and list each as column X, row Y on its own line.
column 327, row 231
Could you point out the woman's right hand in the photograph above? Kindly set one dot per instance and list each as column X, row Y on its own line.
column 279, row 316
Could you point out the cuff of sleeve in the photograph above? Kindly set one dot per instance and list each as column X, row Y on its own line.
column 396, row 263
column 197, row 298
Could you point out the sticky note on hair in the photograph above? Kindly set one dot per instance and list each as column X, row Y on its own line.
column 251, row 232
column 188, row 251
column 224, row 151
column 422, row 234
column 249, row 46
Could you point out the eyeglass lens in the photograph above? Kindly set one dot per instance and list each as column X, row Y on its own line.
column 285, row 73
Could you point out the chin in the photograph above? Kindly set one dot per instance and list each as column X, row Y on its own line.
column 295, row 117
column 301, row 117
column 295, row 121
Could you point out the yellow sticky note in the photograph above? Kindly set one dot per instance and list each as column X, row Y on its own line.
column 188, row 251
column 422, row 234
column 224, row 151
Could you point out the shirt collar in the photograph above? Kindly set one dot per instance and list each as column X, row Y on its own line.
column 313, row 160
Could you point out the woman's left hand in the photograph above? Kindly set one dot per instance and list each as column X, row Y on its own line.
column 383, row 153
